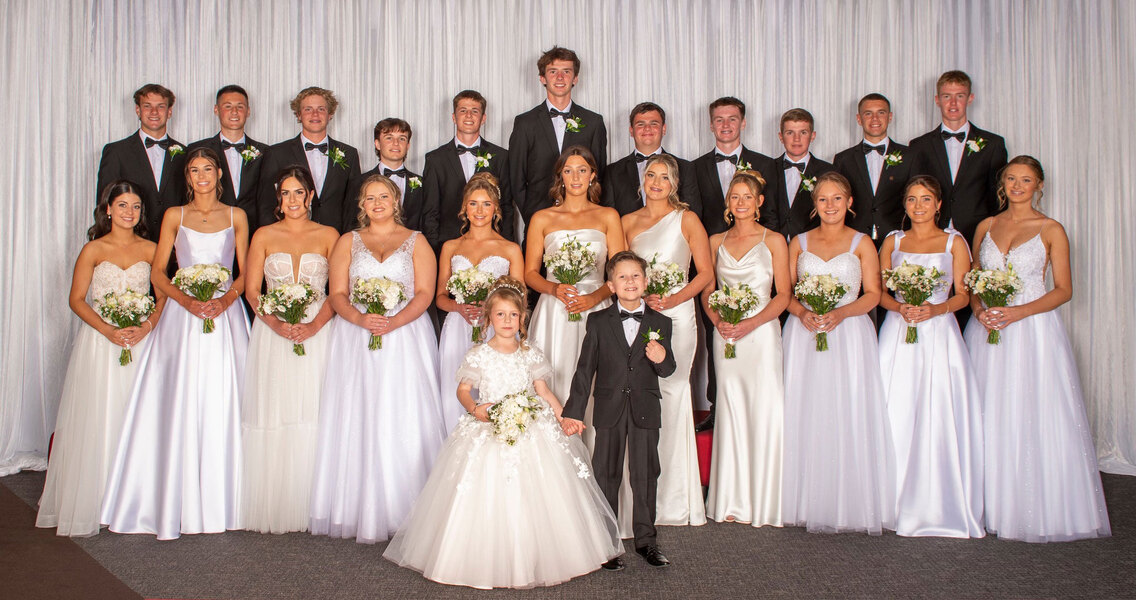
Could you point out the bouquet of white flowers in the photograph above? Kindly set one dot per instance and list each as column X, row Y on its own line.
column 288, row 302
column 512, row 414
column 202, row 282
column 915, row 284
column 995, row 287
column 820, row 293
column 571, row 264
column 125, row 309
column 733, row 303
column 380, row 295
column 663, row 277
column 471, row 286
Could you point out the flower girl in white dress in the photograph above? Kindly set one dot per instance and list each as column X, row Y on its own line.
column 501, row 513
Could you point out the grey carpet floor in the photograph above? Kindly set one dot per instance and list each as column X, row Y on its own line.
column 713, row 561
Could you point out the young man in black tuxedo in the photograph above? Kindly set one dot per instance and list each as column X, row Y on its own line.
column 334, row 165
column 149, row 157
column 623, row 178
column 798, row 170
column 626, row 350
column 716, row 168
column 449, row 167
column 392, row 143
column 540, row 134
column 878, row 169
column 964, row 159
column 241, row 156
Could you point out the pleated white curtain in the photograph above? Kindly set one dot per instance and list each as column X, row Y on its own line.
column 1054, row 77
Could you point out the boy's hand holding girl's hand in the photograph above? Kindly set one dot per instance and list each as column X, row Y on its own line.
column 571, row 426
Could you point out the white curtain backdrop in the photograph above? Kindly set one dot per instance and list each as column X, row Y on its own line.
column 1056, row 78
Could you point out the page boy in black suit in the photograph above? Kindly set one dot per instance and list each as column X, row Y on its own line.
column 148, row 158
column 626, row 350
column 392, row 143
column 623, row 178
column 798, row 172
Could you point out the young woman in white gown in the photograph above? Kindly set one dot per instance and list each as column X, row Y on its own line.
column 178, row 465
column 495, row 515
column 280, row 410
column 745, row 466
column 1041, row 482
column 483, row 246
column 933, row 401
column 97, row 388
column 838, row 472
column 576, row 215
column 380, row 422
column 665, row 232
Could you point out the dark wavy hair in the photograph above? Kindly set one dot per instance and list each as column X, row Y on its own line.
column 302, row 175
column 557, row 189
column 209, row 155
column 110, row 193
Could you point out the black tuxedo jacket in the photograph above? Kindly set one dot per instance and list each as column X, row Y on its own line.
column 414, row 205
column 127, row 159
column 445, row 180
column 797, row 219
column 533, row 153
column 973, row 195
column 620, row 189
column 884, row 207
column 714, row 202
column 335, row 205
column 244, row 198
column 624, row 378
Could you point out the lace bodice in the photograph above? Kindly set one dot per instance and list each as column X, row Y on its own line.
column 313, row 271
column 845, row 267
column 1030, row 263
column 496, row 375
column 399, row 266
column 497, row 265
column 754, row 268
column 943, row 261
column 596, row 240
column 109, row 277
column 664, row 242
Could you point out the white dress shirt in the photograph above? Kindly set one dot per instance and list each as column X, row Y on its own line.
column 235, row 162
column 727, row 168
column 317, row 161
column 954, row 149
column 467, row 159
column 398, row 180
column 875, row 162
column 793, row 178
column 631, row 326
column 157, row 156
column 558, row 123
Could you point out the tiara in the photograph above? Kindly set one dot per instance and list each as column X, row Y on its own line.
column 507, row 284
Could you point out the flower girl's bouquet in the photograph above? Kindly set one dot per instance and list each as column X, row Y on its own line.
column 915, row 284
column 733, row 303
column 380, row 295
column 202, row 282
column 663, row 277
column 471, row 286
column 820, row 293
column 288, row 302
column 512, row 414
column 995, row 287
column 125, row 309
column 571, row 264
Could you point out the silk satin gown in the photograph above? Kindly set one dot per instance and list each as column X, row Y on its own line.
column 1041, row 481
column 178, row 466
column 457, row 339
column 935, row 412
column 745, row 466
column 96, row 392
column 280, row 412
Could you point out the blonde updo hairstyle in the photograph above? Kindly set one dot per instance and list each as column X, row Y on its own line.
column 671, row 164
column 509, row 289
column 756, row 185
column 364, row 220
column 835, row 178
column 487, row 183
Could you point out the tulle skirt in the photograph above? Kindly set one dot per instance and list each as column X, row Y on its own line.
column 456, row 340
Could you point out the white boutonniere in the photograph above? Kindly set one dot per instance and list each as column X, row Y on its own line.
column 652, row 335
column 742, row 165
column 808, row 183
column 573, row 124
column 481, row 160
column 414, row 183
column 250, row 153
column 338, row 158
column 176, row 149
column 975, row 145
column 893, row 159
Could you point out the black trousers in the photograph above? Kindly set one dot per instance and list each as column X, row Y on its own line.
column 642, row 446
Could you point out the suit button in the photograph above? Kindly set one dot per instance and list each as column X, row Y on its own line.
column 630, row 368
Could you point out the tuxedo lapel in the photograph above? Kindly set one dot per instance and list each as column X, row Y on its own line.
column 167, row 162
column 616, row 325
column 966, row 163
column 631, row 174
column 939, row 149
column 544, row 125
column 861, row 170
column 141, row 162
column 710, row 173
column 453, row 161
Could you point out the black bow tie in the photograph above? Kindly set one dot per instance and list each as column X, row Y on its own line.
column 787, row 164
column 552, row 112
column 164, row 143
column 719, row 157
column 637, row 315
column 400, row 172
column 868, row 148
column 641, row 158
column 239, row 146
column 310, row 146
column 946, row 135
column 471, row 149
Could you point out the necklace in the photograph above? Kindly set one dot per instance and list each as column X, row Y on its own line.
column 204, row 214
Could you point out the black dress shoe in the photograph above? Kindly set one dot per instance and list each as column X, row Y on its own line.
column 615, row 564
column 706, row 425
column 653, row 557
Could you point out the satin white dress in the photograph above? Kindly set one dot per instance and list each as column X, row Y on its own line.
column 838, row 474
column 178, row 466
column 679, row 500
column 96, row 391
column 380, row 422
column 457, row 339
column 280, row 413
column 935, row 411
column 745, row 465
column 1041, row 481
column 494, row 515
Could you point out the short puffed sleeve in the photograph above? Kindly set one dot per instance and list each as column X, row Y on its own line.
column 539, row 369
column 471, row 368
